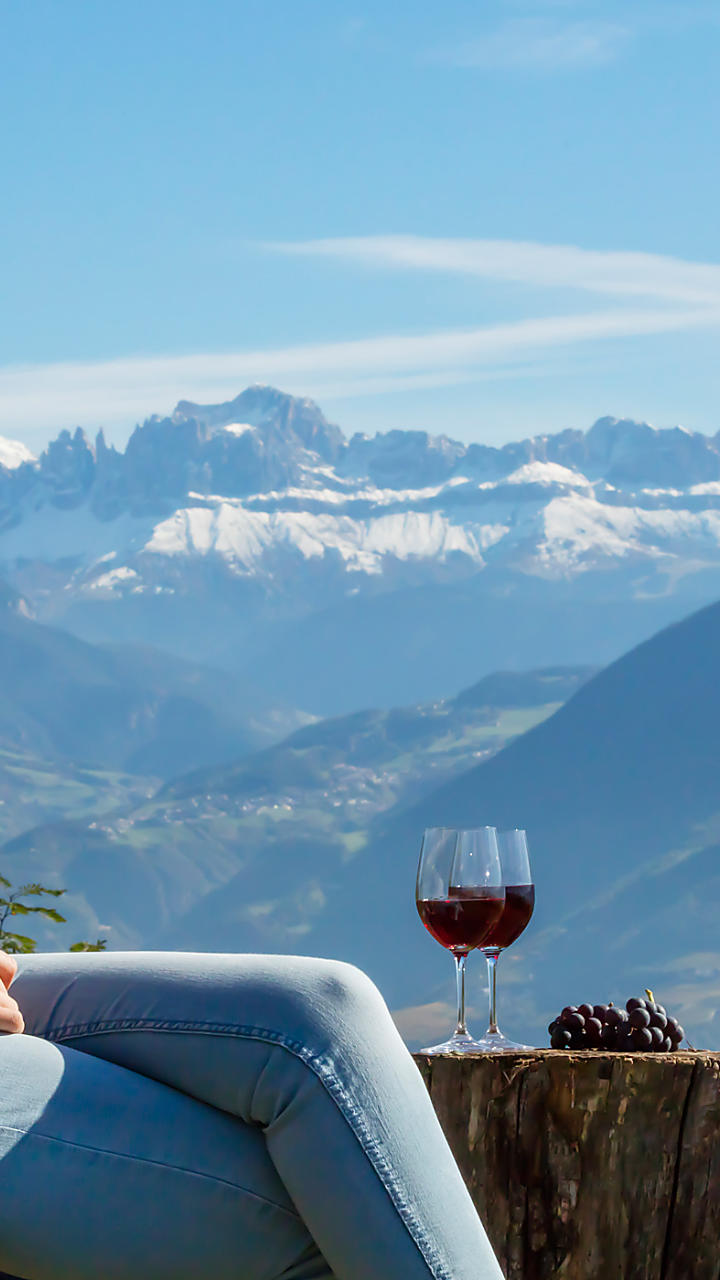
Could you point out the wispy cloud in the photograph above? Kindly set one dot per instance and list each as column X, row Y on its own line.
column 43, row 397
column 542, row 44
column 675, row 296
column 555, row 266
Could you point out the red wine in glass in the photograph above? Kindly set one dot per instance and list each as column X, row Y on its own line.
column 519, row 905
column 462, row 921
column 460, row 897
column 515, row 917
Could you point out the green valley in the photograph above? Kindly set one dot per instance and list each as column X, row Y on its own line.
column 151, row 869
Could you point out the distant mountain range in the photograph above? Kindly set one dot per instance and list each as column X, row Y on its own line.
column 255, row 536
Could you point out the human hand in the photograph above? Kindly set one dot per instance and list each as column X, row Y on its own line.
column 11, row 1019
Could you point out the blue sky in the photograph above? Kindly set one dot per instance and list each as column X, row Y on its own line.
column 489, row 220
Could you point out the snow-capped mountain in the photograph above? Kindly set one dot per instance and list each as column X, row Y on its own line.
column 222, row 523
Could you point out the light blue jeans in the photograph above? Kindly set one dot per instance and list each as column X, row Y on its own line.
column 220, row 1117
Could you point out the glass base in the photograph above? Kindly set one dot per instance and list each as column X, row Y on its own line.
column 458, row 1043
column 496, row 1042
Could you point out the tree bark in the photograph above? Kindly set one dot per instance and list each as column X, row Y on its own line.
column 589, row 1166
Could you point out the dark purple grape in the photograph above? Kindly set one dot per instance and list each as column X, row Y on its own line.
column 642, row 1038
column 625, row 1040
column 660, row 1008
column 574, row 1021
column 593, row 1031
column 552, row 1027
column 600, row 1011
column 560, row 1038
column 586, row 1010
column 639, row 1017
column 658, row 1020
column 569, row 1008
column 609, row 1036
column 658, row 1039
column 614, row 1017
column 668, row 1045
column 674, row 1030
column 635, row 1003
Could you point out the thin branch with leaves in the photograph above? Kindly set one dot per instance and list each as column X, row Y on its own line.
column 12, row 904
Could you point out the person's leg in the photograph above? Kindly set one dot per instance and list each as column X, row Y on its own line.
column 305, row 1049
column 104, row 1173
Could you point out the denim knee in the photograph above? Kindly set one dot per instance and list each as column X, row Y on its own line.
column 341, row 999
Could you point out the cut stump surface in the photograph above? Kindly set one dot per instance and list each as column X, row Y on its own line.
column 589, row 1166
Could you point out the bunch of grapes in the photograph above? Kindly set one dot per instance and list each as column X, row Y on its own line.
column 643, row 1026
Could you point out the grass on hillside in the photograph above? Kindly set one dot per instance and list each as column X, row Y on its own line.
column 35, row 791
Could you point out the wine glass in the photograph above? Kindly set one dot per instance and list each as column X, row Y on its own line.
column 519, row 904
column 459, row 898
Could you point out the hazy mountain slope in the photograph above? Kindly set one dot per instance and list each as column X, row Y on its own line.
column 418, row 643
column 278, row 817
column 132, row 709
column 619, row 792
column 408, row 742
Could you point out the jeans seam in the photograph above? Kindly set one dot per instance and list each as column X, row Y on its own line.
column 160, row 1164
column 325, row 1073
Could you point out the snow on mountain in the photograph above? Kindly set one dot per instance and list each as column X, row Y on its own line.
column 243, row 538
column 264, row 491
column 13, row 453
column 547, row 473
column 113, row 578
column 581, row 532
column 237, row 428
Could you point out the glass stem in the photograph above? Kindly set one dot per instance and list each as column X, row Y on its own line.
column 461, row 1029
column 492, row 959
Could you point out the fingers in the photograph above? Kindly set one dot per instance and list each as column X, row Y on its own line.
column 8, row 969
column 11, row 1019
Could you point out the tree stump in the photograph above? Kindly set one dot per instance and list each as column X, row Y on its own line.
column 588, row 1166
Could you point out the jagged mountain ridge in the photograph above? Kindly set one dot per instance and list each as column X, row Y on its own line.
column 253, row 534
column 284, row 467
column 266, row 440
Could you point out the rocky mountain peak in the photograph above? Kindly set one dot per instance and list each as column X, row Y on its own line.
column 274, row 414
column 403, row 458
column 67, row 466
column 608, row 434
column 255, row 405
column 629, row 453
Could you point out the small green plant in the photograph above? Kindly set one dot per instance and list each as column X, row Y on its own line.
column 12, row 904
